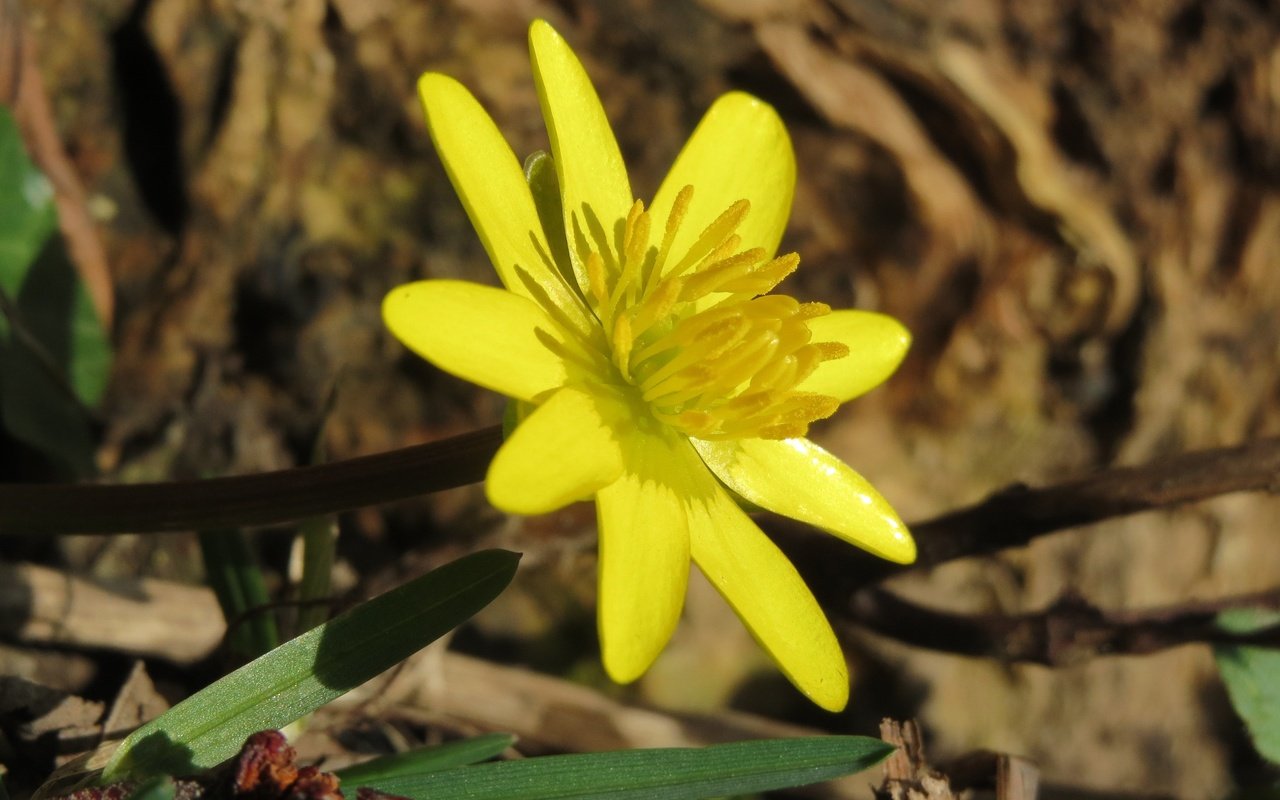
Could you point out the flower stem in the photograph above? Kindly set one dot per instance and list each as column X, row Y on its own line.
column 267, row 498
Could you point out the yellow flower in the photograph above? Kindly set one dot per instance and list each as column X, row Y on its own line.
column 658, row 368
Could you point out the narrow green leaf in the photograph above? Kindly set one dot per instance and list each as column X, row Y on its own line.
column 427, row 759
column 232, row 571
column 238, row 501
column 54, row 354
column 160, row 787
column 4, row 793
column 309, row 671
column 1252, row 676
column 540, row 174
column 661, row 774
column 27, row 215
column 319, row 537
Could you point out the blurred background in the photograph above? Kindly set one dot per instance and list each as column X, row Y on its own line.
column 1073, row 206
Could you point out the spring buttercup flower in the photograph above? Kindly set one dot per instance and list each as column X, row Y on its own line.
column 662, row 377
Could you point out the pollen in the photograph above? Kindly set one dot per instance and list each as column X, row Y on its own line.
column 697, row 333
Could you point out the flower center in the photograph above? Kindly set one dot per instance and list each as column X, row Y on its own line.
column 707, row 348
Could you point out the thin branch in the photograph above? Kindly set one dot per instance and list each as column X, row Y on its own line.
column 1068, row 632
column 1016, row 516
column 248, row 500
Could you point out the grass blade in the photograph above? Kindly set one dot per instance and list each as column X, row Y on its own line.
column 232, row 571
column 427, row 759
column 309, row 671
column 238, row 501
column 660, row 774
column 160, row 787
column 319, row 537
column 318, row 540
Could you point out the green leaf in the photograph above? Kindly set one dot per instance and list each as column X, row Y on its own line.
column 54, row 354
column 427, row 759
column 27, row 214
column 319, row 536
column 661, row 774
column 540, row 174
column 309, row 671
column 1252, row 676
column 232, row 571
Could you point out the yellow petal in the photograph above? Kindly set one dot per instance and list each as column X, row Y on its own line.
column 767, row 593
column 593, row 177
column 485, row 335
column 492, row 187
column 740, row 150
column 877, row 344
column 564, row 452
column 644, row 557
column 798, row 479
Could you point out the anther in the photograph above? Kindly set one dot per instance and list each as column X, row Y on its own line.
column 723, row 370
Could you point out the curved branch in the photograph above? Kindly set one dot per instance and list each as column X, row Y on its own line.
column 1017, row 515
column 1068, row 632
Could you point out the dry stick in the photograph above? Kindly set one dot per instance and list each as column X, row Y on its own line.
column 1068, row 632
column 145, row 617
column 248, row 500
column 1015, row 516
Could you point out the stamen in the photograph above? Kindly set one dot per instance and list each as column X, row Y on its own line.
column 779, row 373
column 771, row 306
column 713, row 278
column 713, row 325
column 814, row 310
column 622, row 342
column 763, row 279
column 679, row 387
column 694, row 422
column 787, row 430
column 830, row 351
column 807, row 360
column 598, row 286
column 656, row 305
column 635, row 240
column 714, row 235
column 678, row 210
column 721, row 371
